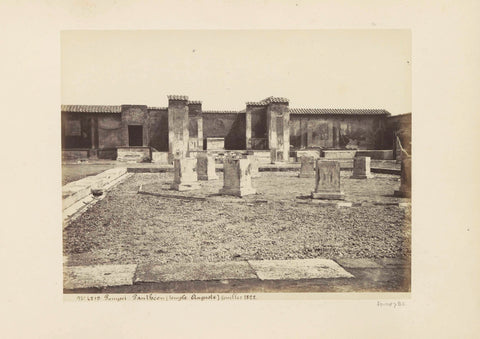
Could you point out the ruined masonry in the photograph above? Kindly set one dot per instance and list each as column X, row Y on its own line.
column 307, row 167
column 206, row 167
column 361, row 168
column 185, row 177
column 405, row 190
column 237, row 178
column 254, row 166
column 327, row 180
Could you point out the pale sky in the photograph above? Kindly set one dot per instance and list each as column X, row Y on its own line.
column 224, row 69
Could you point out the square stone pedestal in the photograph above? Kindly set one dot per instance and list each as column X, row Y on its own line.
column 237, row 178
column 361, row 168
column 206, row 167
column 185, row 178
column 327, row 181
column 253, row 166
column 307, row 167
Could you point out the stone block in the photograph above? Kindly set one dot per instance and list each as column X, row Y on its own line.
column 215, row 143
column 206, row 167
column 237, row 177
column 254, row 166
column 327, row 181
column 185, row 177
column 405, row 190
column 361, row 168
column 307, row 167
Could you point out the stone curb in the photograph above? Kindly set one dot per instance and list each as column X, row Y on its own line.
column 98, row 276
column 73, row 211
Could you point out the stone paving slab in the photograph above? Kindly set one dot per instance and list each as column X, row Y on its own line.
column 195, row 272
column 298, row 269
column 98, row 276
column 357, row 263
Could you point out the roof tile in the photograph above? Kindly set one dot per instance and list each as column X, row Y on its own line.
column 91, row 108
column 338, row 111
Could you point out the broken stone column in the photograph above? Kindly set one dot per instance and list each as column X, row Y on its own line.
column 361, row 168
column 206, row 167
column 307, row 167
column 185, row 177
column 405, row 190
column 237, row 178
column 254, row 166
column 327, row 180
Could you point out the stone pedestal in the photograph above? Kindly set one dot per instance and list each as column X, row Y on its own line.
column 405, row 190
column 185, row 177
column 327, row 180
column 307, row 167
column 206, row 167
column 254, row 166
column 237, row 178
column 361, row 168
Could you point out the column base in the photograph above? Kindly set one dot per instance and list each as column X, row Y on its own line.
column 238, row 192
column 185, row 186
column 328, row 195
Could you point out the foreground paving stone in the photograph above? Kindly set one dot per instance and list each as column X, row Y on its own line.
column 195, row 272
column 98, row 276
column 357, row 263
column 298, row 269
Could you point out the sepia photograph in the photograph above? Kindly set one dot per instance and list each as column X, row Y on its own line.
column 236, row 161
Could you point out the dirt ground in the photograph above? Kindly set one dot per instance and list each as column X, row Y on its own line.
column 127, row 227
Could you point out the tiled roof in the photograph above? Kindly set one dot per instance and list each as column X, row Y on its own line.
column 91, row 108
column 274, row 99
column 338, row 111
column 267, row 101
column 158, row 108
column 220, row 112
column 177, row 97
column 198, row 102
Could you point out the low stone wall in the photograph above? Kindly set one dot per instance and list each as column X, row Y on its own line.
column 134, row 154
column 75, row 154
column 339, row 154
column 307, row 153
column 376, row 154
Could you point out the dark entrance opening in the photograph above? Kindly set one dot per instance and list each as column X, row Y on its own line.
column 135, row 135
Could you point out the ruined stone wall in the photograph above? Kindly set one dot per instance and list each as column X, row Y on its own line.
column 337, row 132
column 158, row 129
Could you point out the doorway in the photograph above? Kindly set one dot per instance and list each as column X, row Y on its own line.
column 135, row 135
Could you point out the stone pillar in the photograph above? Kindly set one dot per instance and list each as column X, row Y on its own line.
column 237, row 179
column 206, row 167
column 327, row 180
column 405, row 190
column 185, row 177
column 248, row 127
column 361, row 168
column 177, row 126
column 307, row 168
column 254, row 165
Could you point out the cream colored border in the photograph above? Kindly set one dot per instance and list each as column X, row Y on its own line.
column 444, row 298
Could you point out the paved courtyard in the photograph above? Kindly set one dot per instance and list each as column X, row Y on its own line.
column 163, row 226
